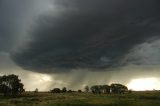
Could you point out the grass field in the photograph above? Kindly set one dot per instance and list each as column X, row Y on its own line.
column 83, row 99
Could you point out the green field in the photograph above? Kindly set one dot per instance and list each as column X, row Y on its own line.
column 83, row 99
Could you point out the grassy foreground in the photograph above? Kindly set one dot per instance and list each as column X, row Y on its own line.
column 83, row 99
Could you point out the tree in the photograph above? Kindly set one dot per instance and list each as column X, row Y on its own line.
column 86, row 88
column 130, row 91
column 56, row 90
column 95, row 89
column 118, row 88
column 5, row 89
column 105, row 89
column 70, row 91
column 36, row 90
column 64, row 89
column 80, row 91
column 11, row 85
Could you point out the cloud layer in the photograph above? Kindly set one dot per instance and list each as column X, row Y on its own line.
column 88, row 34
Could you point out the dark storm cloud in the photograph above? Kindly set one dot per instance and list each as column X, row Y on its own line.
column 92, row 34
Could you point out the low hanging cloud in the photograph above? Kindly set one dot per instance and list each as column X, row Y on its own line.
column 146, row 53
column 88, row 34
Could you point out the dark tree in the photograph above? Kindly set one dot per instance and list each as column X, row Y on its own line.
column 118, row 88
column 5, row 89
column 11, row 85
column 70, row 91
column 64, row 89
column 36, row 90
column 105, row 89
column 95, row 89
column 130, row 91
column 56, row 90
column 80, row 91
column 86, row 88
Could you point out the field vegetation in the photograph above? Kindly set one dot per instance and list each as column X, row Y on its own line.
column 147, row 98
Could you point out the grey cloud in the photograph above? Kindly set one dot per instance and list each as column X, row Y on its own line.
column 11, row 13
column 88, row 34
column 15, row 17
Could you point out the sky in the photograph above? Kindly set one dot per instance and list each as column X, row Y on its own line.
column 74, row 43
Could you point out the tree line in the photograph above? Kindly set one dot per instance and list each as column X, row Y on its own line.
column 96, row 89
column 11, row 85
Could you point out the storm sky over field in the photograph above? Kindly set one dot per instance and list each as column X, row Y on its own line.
column 74, row 43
